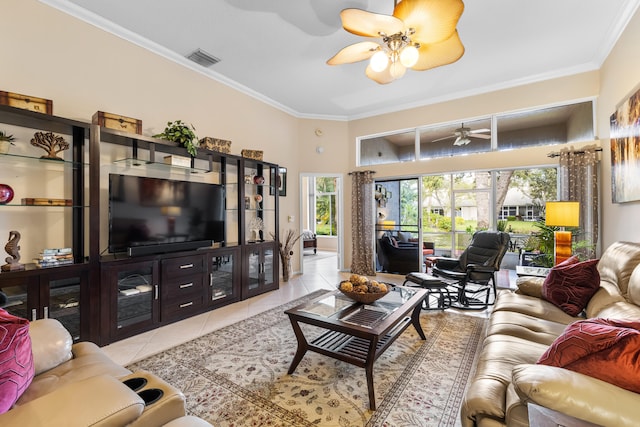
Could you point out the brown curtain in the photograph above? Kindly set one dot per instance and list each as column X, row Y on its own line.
column 362, row 222
column 579, row 181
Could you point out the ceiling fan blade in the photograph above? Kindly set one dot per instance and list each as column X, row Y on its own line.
column 354, row 53
column 433, row 20
column 435, row 55
column 442, row 139
column 383, row 77
column 369, row 24
column 480, row 130
column 479, row 135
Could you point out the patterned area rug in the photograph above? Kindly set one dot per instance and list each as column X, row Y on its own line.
column 237, row 376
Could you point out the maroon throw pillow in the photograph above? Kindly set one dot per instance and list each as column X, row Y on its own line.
column 606, row 349
column 16, row 359
column 570, row 285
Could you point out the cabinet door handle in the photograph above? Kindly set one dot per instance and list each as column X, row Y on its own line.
column 182, row 267
column 186, row 285
column 211, row 279
column 155, row 291
column 186, row 304
column 34, row 314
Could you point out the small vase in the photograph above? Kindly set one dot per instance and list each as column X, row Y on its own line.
column 286, row 269
column 6, row 194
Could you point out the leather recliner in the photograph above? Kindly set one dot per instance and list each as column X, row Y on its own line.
column 77, row 385
column 474, row 271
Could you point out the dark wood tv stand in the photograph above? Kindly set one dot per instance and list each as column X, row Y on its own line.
column 150, row 291
column 106, row 298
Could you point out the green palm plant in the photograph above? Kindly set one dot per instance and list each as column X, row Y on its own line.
column 181, row 133
column 546, row 239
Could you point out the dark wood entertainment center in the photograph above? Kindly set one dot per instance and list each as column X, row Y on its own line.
column 107, row 297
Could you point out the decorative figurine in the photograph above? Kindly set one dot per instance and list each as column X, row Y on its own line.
column 256, row 226
column 51, row 143
column 12, row 249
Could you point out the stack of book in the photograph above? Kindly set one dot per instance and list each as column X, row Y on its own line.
column 54, row 257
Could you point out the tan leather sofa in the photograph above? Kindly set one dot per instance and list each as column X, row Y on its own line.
column 78, row 385
column 521, row 327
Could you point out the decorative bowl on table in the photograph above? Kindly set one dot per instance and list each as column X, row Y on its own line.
column 362, row 289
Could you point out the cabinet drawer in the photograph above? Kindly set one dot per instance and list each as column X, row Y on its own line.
column 183, row 266
column 175, row 308
column 186, row 285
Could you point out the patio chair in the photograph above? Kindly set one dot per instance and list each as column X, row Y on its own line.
column 473, row 274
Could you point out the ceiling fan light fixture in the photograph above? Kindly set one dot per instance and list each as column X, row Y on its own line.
column 397, row 70
column 379, row 61
column 462, row 140
column 421, row 34
column 409, row 55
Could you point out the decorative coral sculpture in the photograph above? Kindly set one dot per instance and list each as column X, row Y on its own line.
column 51, row 143
column 256, row 225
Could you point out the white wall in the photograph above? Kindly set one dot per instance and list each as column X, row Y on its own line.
column 618, row 77
column 83, row 69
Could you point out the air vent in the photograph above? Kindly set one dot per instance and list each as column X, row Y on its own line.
column 203, row 58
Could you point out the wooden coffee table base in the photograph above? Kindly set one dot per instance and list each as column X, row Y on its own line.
column 354, row 344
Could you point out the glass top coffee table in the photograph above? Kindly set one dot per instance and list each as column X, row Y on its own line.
column 357, row 333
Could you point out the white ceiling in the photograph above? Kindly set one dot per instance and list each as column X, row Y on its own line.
column 277, row 50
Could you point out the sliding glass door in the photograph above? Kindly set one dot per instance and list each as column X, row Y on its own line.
column 398, row 234
column 443, row 211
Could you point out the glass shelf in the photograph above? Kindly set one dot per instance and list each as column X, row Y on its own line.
column 19, row 160
column 260, row 185
column 23, row 205
column 148, row 165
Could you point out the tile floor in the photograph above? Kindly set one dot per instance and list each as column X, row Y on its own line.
column 319, row 273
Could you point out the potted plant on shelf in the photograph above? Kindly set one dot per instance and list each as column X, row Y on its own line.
column 5, row 141
column 181, row 133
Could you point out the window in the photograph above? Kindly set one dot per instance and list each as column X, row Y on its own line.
column 393, row 148
column 454, row 206
column 542, row 126
column 455, row 139
column 547, row 126
column 507, row 211
column 326, row 207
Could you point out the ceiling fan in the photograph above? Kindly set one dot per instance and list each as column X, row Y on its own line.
column 421, row 34
column 463, row 135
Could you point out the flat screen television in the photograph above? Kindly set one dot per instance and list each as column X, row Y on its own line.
column 152, row 215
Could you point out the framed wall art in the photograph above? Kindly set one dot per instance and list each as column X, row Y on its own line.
column 278, row 182
column 625, row 149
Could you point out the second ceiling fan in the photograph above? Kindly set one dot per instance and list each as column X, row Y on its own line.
column 463, row 134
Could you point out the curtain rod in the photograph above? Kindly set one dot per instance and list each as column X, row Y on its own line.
column 351, row 173
column 556, row 154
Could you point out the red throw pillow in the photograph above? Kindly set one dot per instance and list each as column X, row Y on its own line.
column 571, row 284
column 606, row 349
column 16, row 359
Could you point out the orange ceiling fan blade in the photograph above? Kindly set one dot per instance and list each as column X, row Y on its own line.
column 433, row 20
column 354, row 53
column 383, row 77
column 437, row 54
column 369, row 24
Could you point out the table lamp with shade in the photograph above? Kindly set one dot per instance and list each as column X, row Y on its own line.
column 562, row 214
